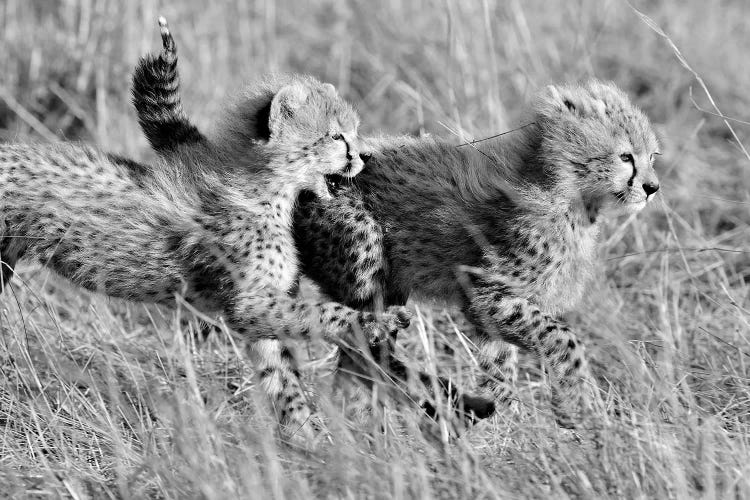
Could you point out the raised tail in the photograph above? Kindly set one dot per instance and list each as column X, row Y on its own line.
column 156, row 96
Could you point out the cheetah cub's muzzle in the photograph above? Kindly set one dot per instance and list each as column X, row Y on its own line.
column 356, row 165
column 642, row 183
column 355, row 160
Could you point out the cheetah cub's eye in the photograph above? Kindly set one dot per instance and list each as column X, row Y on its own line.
column 337, row 137
column 626, row 158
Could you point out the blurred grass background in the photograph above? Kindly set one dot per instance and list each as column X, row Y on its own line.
column 100, row 399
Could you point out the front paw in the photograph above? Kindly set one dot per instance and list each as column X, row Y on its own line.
column 573, row 408
column 402, row 317
column 381, row 328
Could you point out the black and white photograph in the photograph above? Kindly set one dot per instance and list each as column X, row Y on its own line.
column 275, row 249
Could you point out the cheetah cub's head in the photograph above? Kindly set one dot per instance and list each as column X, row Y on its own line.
column 311, row 119
column 594, row 138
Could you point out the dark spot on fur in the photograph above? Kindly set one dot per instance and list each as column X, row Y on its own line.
column 516, row 315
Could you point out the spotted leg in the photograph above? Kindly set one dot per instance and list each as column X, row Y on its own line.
column 506, row 317
column 499, row 363
column 279, row 378
column 270, row 316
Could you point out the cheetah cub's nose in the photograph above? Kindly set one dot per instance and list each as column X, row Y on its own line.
column 650, row 188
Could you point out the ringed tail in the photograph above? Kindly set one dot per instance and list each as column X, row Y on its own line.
column 156, row 96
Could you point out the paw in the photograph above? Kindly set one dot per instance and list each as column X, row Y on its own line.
column 566, row 415
column 379, row 329
column 573, row 409
column 402, row 316
column 500, row 390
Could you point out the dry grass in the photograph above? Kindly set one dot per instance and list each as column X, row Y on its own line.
column 100, row 399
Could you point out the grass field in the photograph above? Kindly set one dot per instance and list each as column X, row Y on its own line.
column 102, row 399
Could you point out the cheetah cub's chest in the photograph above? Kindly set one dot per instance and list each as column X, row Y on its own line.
column 268, row 249
column 567, row 265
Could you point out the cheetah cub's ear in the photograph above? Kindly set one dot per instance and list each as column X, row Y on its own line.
column 555, row 101
column 284, row 106
column 329, row 91
column 568, row 101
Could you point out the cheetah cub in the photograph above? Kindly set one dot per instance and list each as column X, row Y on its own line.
column 218, row 233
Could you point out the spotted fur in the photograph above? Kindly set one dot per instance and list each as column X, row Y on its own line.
column 220, row 235
column 246, row 121
column 156, row 97
column 242, row 124
column 509, row 232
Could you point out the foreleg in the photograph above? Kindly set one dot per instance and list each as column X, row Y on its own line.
column 504, row 316
column 271, row 315
column 341, row 249
column 279, row 379
column 499, row 363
